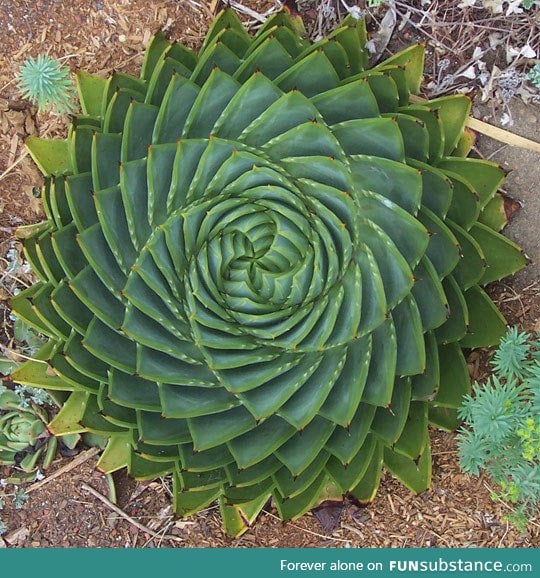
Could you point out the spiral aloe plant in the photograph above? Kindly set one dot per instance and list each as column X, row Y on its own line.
column 260, row 266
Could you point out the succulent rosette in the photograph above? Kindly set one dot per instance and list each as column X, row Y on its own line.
column 20, row 428
column 260, row 266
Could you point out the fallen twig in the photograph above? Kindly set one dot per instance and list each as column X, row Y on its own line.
column 80, row 459
column 127, row 517
column 128, row 60
column 24, row 154
column 13, row 165
column 354, row 530
column 503, row 135
column 291, row 525
column 494, row 132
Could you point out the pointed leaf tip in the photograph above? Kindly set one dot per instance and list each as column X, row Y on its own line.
column 50, row 155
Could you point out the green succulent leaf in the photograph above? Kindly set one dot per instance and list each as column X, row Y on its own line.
column 445, row 418
column 494, row 213
column 486, row 323
column 414, row 474
column 91, row 89
column 51, row 156
column 503, row 257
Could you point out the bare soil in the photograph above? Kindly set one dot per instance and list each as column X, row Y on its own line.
column 106, row 35
column 456, row 512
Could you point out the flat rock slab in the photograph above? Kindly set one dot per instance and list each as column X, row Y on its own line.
column 522, row 183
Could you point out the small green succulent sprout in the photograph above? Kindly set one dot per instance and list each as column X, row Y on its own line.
column 24, row 438
column 47, row 83
column 20, row 428
column 534, row 75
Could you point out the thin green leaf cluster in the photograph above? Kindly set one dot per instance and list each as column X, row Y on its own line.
column 46, row 83
column 501, row 432
column 27, row 341
column 10, row 489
